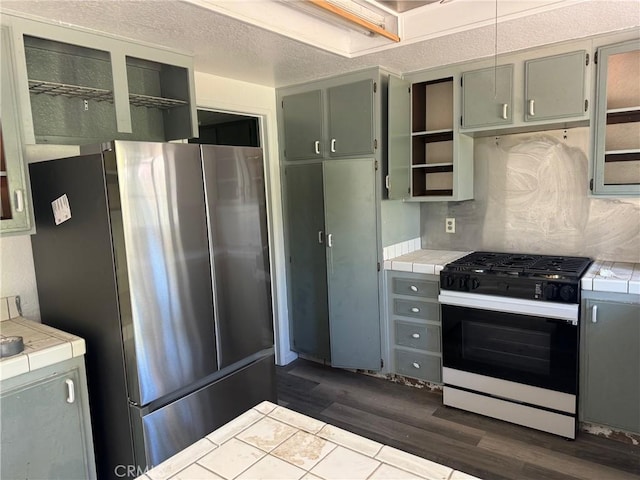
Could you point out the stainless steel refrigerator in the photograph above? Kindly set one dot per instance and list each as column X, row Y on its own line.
column 157, row 255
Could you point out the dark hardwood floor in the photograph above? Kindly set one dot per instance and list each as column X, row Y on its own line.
column 415, row 420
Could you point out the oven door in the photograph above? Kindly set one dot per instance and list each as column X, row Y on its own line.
column 493, row 338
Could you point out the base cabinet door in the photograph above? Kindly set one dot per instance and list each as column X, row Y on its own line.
column 307, row 265
column 610, row 386
column 352, row 263
column 45, row 427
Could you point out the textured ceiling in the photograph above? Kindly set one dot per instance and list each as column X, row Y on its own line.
column 227, row 47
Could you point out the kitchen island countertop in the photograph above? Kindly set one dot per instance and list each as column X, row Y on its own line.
column 273, row 442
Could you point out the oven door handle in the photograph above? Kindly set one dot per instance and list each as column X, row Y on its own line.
column 535, row 308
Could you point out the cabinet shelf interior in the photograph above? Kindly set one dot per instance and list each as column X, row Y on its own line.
column 99, row 94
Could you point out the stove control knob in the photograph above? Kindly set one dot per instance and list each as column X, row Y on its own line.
column 462, row 283
column 568, row 293
column 449, row 281
column 475, row 283
column 550, row 292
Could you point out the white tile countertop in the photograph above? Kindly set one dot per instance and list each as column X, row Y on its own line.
column 43, row 346
column 423, row 261
column 619, row 277
column 273, row 442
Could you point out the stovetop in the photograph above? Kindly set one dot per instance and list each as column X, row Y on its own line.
column 523, row 265
column 527, row 276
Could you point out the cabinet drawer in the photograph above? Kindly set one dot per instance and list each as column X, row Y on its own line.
column 416, row 288
column 417, row 309
column 424, row 337
column 419, row 365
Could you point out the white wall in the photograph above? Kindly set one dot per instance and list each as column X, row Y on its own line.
column 224, row 94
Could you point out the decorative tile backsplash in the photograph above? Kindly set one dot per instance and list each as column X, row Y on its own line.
column 401, row 248
column 9, row 307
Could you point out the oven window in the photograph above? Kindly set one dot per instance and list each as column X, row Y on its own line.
column 536, row 351
column 498, row 345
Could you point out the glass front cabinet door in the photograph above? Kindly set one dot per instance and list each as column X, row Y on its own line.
column 616, row 159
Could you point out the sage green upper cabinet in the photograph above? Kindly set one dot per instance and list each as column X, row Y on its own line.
column 77, row 87
column 432, row 162
column 14, row 211
column 351, row 119
column 332, row 122
column 555, row 87
column 487, row 97
column 302, row 118
column 399, row 146
column 616, row 156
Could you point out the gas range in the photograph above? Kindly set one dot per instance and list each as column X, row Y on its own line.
column 526, row 276
column 510, row 337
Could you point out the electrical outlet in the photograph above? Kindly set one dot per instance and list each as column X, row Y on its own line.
column 450, row 225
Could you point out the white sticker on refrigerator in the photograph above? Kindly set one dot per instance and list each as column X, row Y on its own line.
column 61, row 209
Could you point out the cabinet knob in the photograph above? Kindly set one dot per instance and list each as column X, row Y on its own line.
column 594, row 314
column 320, row 236
column 330, row 240
column 333, row 145
column 416, row 365
column 532, row 109
column 415, row 309
column 71, row 393
column 317, row 147
column 505, row 111
column 413, row 288
column 416, row 335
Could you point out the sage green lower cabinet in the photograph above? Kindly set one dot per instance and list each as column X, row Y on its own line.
column 414, row 325
column 610, row 360
column 307, row 266
column 332, row 230
column 46, row 429
column 352, row 262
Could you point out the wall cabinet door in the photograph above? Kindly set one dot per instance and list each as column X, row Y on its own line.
column 555, row 86
column 350, row 115
column 14, row 212
column 44, row 429
column 487, row 97
column 307, row 257
column 352, row 263
column 303, row 120
column 399, row 146
column 610, row 387
column 616, row 156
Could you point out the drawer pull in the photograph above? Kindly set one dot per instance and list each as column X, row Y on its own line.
column 413, row 288
column 416, row 335
column 594, row 314
column 415, row 365
column 415, row 309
